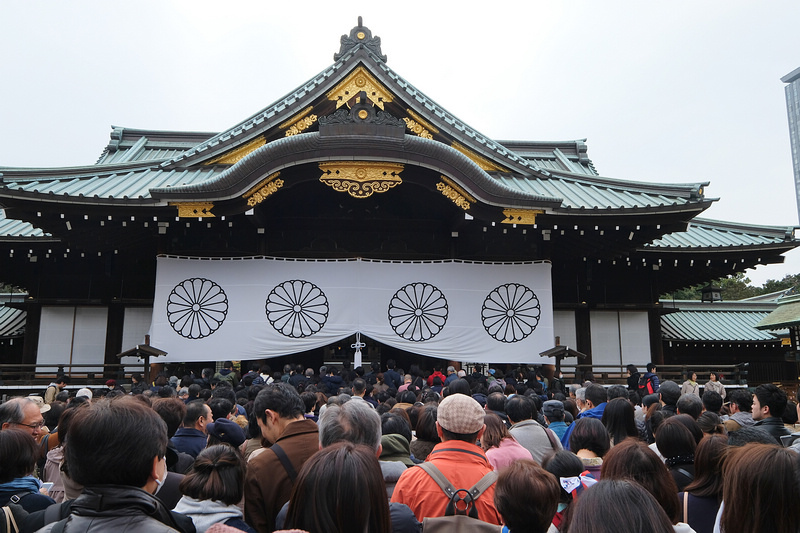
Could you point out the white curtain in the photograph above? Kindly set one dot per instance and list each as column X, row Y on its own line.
column 252, row 308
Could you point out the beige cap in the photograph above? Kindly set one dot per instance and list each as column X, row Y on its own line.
column 39, row 401
column 459, row 413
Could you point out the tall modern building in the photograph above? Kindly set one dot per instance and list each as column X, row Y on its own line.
column 793, row 110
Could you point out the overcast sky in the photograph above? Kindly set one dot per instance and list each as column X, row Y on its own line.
column 668, row 92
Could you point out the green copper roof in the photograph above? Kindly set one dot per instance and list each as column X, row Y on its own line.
column 721, row 321
column 17, row 229
column 704, row 233
column 787, row 314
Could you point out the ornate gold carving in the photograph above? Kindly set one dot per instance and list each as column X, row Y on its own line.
column 267, row 187
column 194, row 209
column 234, row 156
column 521, row 216
column 422, row 121
column 481, row 161
column 359, row 80
column 301, row 125
column 363, row 114
column 361, row 35
column 455, row 193
column 417, row 128
column 360, row 179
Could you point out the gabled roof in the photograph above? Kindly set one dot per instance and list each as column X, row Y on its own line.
column 715, row 322
column 146, row 167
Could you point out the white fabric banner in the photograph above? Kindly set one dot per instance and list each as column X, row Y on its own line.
column 253, row 308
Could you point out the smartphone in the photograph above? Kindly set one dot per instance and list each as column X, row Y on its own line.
column 47, row 486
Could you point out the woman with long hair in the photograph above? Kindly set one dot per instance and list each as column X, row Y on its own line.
column 700, row 500
column 617, row 506
column 632, row 460
column 619, row 420
column 323, row 501
column 500, row 447
column 426, row 434
column 213, row 488
column 677, row 445
column 761, row 490
column 590, row 442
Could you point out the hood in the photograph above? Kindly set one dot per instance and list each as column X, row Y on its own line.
column 396, row 448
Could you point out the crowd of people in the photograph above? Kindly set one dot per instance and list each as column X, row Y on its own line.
column 380, row 450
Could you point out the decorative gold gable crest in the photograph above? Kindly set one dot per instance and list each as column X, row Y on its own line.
column 521, row 216
column 359, row 80
column 360, row 179
column 194, row 209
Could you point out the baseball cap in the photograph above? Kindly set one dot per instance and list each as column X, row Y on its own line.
column 459, row 413
column 552, row 408
column 87, row 393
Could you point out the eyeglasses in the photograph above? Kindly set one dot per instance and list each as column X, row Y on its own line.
column 38, row 425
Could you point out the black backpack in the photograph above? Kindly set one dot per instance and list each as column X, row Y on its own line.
column 646, row 385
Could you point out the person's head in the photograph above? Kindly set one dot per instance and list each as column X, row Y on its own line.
column 359, row 387
column 220, row 407
column 616, row 391
column 19, row 451
column 533, row 513
column 322, row 498
column 459, row 386
column 632, row 370
column 712, row 376
column 426, row 423
column 21, row 413
column 614, row 505
column 689, row 404
column 172, row 411
column 633, row 460
column 740, row 401
column 768, row 401
column 563, row 464
column 106, row 445
column 395, row 424
column 595, row 395
column 708, row 467
column 495, row 431
column 459, row 417
column 553, row 411
column 519, row 408
column 62, row 381
column 674, row 439
column 651, row 367
column 198, row 415
column 761, row 489
column 217, row 474
column 618, row 418
column 496, row 401
column 710, row 423
column 712, row 401
column 669, row 392
column 277, row 405
column 589, row 434
column 354, row 422
column 225, row 431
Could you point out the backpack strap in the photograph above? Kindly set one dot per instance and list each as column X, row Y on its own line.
column 471, row 495
column 685, row 473
column 17, row 498
column 11, row 522
column 59, row 526
column 284, row 459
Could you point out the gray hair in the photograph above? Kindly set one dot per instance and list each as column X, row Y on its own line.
column 354, row 422
column 573, row 388
column 13, row 411
column 580, row 394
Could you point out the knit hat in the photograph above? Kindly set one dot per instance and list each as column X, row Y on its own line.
column 87, row 393
column 111, row 383
column 459, row 413
column 552, row 408
column 227, row 431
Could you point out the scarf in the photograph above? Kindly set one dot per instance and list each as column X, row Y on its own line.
column 206, row 513
column 21, row 485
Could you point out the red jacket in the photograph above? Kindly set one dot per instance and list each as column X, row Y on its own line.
column 441, row 376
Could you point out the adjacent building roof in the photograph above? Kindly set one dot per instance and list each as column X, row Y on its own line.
column 704, row 233
column 12, row 321
column 716, row 322
column 785, row 315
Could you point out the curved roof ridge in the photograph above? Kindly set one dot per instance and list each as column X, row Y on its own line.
column 740, row 226
column 620, row 182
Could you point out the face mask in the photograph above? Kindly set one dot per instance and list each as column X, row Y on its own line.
column 159, row 484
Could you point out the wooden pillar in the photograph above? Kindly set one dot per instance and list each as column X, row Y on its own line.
column 583, row 333
column 656, row 344
column 33, row 322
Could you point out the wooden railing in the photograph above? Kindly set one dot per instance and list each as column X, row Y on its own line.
column 729, row 375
